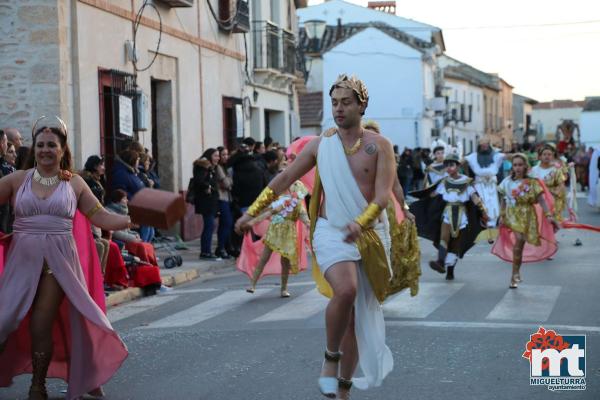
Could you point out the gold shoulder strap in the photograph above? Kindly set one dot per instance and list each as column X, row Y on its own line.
column 329, row 132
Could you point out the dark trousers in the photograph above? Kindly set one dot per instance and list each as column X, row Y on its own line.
column 207, row 232
column 225, row 224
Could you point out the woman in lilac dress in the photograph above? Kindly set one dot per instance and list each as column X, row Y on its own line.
column 49, row 323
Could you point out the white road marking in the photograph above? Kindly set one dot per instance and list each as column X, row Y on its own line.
column 431, row 296
column 493, row 325
column 305, row 306
column 207, row 309
column 127, row 310
column 176, row 292
column 527, row 303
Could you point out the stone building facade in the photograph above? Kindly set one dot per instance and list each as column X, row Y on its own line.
column 190, row 80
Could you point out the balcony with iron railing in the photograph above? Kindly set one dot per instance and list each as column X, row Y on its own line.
column 274, row 51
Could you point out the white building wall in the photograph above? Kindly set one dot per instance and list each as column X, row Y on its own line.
column 589, row 125
column 393, row 73
column 330, row 11
column 549, row 119
column 465, row 134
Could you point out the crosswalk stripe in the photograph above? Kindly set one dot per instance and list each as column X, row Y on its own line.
column 527, row 303
column 206, row 310
column 305, row 306
column 128, row 310
column 177, row 292
column 431, row 296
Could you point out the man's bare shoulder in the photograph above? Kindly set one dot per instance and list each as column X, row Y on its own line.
column 376, row 143
column 313, row 145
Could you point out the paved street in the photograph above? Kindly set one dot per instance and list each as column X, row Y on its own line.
column 211, row 340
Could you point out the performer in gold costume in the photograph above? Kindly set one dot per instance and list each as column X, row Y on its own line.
column 282, row 237
column 526, row 235
column 553, row 172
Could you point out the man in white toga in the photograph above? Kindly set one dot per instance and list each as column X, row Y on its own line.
column 350, row 237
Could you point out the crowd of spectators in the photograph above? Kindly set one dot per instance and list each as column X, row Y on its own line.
column 224, row 186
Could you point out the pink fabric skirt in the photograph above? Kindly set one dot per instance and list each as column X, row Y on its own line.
column 252, row 250
column 503, row 248
column 87, row 351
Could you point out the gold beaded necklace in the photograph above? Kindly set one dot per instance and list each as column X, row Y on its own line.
column 352, row 150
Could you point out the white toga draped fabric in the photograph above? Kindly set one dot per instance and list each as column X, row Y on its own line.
column 486, row 182
column 344, row 202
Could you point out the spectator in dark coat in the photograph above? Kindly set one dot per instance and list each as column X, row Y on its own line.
column 124, row 175
column 270, row 164
column 22, row 154
column 152, row 173
column 405, row 170
column 143, row 171
column 206, row 198
column 248, row 178
column 125, row 178
column 93, row 175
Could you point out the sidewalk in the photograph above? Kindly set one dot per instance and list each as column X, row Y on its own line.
column 192, row 268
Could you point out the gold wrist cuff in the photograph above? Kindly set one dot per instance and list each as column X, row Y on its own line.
column 368, row 216
column 93, row 211
column 266, row 197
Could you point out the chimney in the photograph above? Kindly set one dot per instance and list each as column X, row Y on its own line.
column 338, row 31
column 383, row 6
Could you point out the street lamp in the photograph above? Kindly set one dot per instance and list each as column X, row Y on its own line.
column 315, row 29
column 453, row 118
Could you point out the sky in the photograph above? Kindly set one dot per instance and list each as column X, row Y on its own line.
column 546, row 49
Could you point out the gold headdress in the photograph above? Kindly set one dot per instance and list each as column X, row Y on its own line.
column 523, row 157
column 61, row 123
column 353, row 83
column 372, row 125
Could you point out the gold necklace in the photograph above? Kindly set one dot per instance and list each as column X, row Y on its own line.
column 352, row 150
column 50, row 181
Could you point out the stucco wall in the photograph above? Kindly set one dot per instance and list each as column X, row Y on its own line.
column 590, row 128
column 549, row 119
column 330, row 11
column 393, row 74
column 466, row 133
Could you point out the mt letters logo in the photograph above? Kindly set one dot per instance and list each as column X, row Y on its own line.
column 556, row 361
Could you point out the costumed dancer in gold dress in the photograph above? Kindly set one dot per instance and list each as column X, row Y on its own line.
column 282, row 236
column 553, row 172
column 526, row 235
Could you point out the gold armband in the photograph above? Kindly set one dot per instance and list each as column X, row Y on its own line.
column 368, row 216
column 93, row 211
column 266, row 197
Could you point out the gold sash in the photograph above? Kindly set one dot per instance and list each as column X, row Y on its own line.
column 405, row 253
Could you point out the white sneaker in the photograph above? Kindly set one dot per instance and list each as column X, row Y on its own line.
column 164, row 289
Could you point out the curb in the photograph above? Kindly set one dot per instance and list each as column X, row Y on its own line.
column 201, row 271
